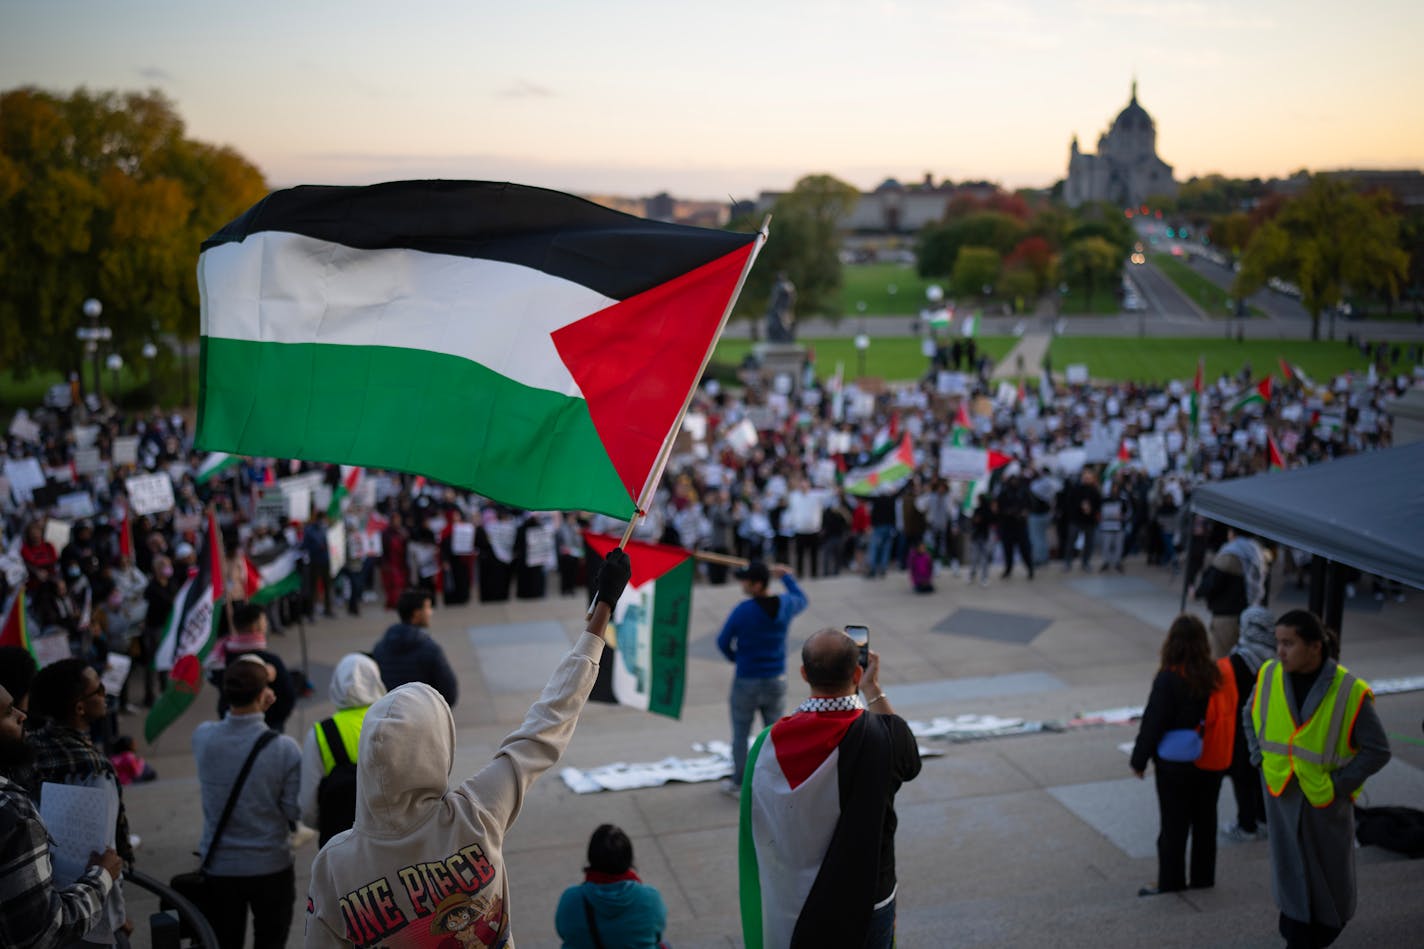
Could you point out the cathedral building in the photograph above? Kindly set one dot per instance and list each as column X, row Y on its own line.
column 1126, row 170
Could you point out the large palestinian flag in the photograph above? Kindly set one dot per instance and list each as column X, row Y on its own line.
column 887, row 475
column 526, row 344
column 188, row 637
column 645, row 665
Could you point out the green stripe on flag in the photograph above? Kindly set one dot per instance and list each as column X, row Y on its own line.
column 672, row 607
column 749, row 874
column 515, row 444
column 292, row 583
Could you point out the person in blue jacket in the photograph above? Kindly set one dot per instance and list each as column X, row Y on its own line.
column 612, row 907
column 754, row 637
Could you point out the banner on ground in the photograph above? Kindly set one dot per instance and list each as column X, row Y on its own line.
column 507, row 311
column 648, row 668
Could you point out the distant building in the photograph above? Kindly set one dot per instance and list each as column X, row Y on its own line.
column 664, row 207
column 1406, row 186
column 1126, row 170
column 895, row 208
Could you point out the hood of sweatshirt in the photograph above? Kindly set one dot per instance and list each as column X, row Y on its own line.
column 403, row 767
column 356, row 681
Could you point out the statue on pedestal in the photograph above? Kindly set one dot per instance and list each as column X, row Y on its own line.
column 780, row 311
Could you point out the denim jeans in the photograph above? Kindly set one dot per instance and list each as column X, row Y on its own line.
column 1038, row 537
column 882, row 543
column 881, row 934
column 750, row 696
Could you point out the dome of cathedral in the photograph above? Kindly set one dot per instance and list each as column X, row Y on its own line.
column 1134, row 118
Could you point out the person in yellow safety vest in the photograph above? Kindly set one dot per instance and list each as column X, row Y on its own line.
column 1311, row 727
column 355, row 684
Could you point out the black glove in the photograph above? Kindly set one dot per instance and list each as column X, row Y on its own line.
column 613, row 576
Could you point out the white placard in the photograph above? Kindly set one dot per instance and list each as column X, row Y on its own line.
column 149, row 494
column 1152, row 449
column 962, row 464
column 116, row 670
column 271, row 504
column 1076, row 374
column 125, row 451
column 24, row 475
column 951, row 383
column 695, row 425
column 24, row 428
column 742, row 437
column 373, row 544
column 299, row 503
column 85, row 435
column 88, row 461
column 56, row 532
column 50, row 649
column 80, row 821
column 539, row 547
column 462, row 539
column 75, row 505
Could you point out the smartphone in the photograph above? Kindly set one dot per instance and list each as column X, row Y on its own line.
column 861, row 635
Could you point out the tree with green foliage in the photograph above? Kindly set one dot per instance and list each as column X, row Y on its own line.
column 1092, row 262
column 805, row 243
column 974, row 269
column 102, row 195
column 1327, row 240
column 1019, row 286
column 940, row 245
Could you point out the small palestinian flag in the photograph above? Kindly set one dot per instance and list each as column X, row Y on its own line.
column 645, row 664
column 188, row 637
column 274, row 579
column 350, row 478
column 559, row 338
column 1275, row 461
column 887, row 476
column 214, row 465
column 1123, row 457
column 1258, row 395
column 16, row 631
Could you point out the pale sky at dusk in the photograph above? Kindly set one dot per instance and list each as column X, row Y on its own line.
column 714, row 99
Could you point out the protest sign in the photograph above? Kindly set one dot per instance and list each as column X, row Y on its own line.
column 462, row 539
column 75, row 505
column 125, row 451
column 1076, row 374
column 56, row 532
column 24, row 428
column 962, row 464
column 24, row 475
column 88, row 461
column 149, row 494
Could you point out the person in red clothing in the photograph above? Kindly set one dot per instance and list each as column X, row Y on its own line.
column 860, row 532
column 39, row 555
column 394, row 575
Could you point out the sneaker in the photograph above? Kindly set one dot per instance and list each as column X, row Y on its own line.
column 730, row 788
column 1239, row 834
column 984, row 581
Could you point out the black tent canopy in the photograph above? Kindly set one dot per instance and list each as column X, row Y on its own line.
column 1365, row 511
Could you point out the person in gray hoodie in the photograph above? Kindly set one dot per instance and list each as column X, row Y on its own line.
column 423, row 864
column 407, row 653
column 355, row 684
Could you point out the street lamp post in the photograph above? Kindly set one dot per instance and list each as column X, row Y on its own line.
column 115, row 362
column 92, row 335
column 150, row 351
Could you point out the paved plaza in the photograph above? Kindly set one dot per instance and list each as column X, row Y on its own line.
column 1039, row 839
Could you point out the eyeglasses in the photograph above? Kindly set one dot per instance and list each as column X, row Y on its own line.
column 98, row 690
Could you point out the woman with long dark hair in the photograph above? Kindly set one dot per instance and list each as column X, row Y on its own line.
column 1186, row 794
column 1314, row 732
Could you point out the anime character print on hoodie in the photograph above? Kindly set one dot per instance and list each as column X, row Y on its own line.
column 423, row 865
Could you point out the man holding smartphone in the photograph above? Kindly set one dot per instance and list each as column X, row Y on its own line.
column 754, row 637
column 817, row 855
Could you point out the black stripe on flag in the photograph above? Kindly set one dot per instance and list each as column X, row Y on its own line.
column 616, row 254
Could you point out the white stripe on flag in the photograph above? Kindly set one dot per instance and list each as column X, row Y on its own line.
column 287, row 288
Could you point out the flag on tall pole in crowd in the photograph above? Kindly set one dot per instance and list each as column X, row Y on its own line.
column 16, row 631
column 1197, row 397
column 969, row 329
column 1275, row 461
column 188, row 636
column 645, row 664
column 350, row 479
column 1045, row 387
column 1257, row 395
column 562, row 339
column 886, row 476
column 126, row 535
column 214, row 464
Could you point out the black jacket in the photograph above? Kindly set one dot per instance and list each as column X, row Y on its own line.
column 407, row 654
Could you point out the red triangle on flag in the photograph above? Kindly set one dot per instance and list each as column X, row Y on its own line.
column 998, row 459
column 649, row 561
column 636, row 361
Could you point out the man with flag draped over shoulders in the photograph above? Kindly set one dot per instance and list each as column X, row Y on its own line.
column 817, row 853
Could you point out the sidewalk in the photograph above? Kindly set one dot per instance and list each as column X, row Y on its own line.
column 1039, row 839
column 1025, row 359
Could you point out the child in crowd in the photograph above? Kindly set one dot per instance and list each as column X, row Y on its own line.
column 921, row 566
column 127, row 763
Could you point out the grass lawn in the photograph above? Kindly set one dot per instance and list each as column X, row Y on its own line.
column 871, row 283
column 1158, row 360
column 896, row 358
column 1104, row 302
column 1215, row 301
column 29, row 393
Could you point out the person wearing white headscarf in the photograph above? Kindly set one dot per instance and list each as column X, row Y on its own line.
column 1256, row 645
column 1234, row 580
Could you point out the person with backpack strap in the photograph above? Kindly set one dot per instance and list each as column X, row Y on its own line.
column 1187, row 732
column 328, row 794
column 612, row 907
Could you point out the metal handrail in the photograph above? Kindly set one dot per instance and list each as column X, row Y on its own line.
column 168, row 898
